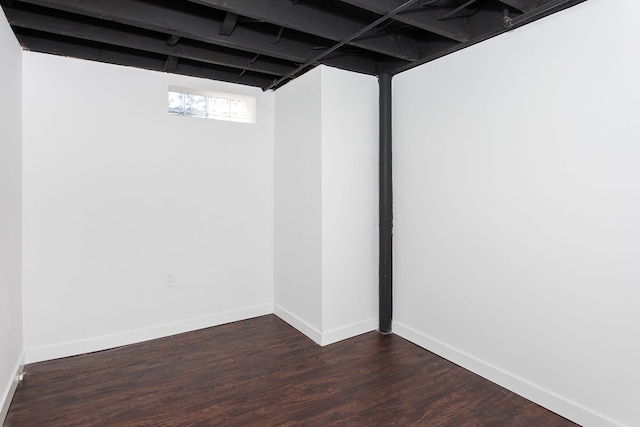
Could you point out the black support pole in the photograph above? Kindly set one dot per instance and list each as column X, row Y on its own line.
column 385, row 279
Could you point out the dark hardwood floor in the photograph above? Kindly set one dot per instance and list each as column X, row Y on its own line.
column 262, row 372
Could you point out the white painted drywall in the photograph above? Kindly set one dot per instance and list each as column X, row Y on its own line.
column 326, row 204
column 517, row 210
column 298, row 204
column 11, row 347
column 349, row 204
column 117, row 193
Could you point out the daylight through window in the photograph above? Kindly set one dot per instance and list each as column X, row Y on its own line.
column 210, row 105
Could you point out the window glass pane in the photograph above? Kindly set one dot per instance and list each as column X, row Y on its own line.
column 219, row 107
column 239, row 109
column 195, row 105
column 176, row 100
column 214, row 106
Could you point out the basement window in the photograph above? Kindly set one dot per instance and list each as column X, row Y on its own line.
column 211, row 105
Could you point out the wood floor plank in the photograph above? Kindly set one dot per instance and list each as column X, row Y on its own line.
column 262, row 372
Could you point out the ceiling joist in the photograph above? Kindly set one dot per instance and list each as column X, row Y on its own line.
column 521, row 5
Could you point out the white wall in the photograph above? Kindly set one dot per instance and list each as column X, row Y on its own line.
column 349, row 204
column 117, row 193
column 11, row 349
column 326, row 204
column 517, row 232
column 298, row 204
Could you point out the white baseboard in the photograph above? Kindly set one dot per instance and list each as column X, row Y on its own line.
column 298, row 323
column 10, row 390
column 349, row 331
column 329, row 337
column 74, row 348
column 524, row 388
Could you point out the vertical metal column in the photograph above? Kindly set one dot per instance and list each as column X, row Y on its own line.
column 385, row 278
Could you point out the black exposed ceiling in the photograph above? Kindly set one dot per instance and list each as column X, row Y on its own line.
column 265, row 43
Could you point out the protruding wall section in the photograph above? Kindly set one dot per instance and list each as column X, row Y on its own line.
column 11, row 346
column 326, row 205
column 298, row 204
column 349, row 204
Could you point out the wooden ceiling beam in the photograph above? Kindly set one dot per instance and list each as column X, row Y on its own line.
column 144, row 42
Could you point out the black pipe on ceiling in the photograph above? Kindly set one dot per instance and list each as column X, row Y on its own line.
column 385, row 272
column 533, row 14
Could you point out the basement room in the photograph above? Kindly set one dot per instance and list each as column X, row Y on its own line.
column 319, row 212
